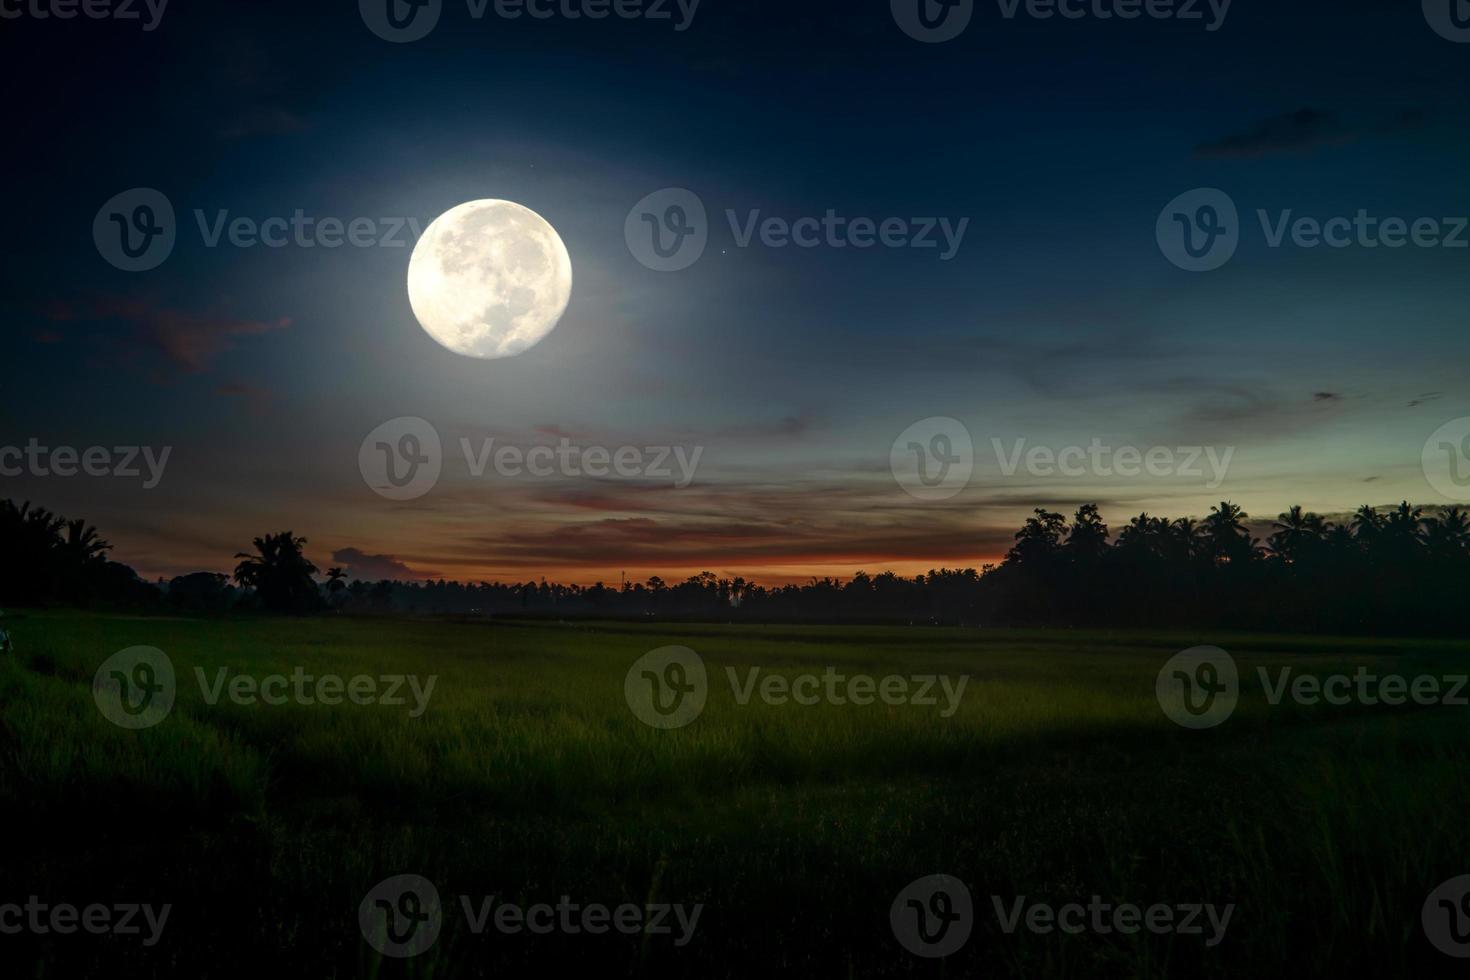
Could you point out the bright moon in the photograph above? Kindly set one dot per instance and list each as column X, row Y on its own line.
column 489, row 279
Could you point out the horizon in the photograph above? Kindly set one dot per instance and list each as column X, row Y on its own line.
column 374, row 568
column 920, row 264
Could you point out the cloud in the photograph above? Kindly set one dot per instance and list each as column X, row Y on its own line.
column 188, row 341
column 1295, row 132
column 1301, row 131
column 359, row 565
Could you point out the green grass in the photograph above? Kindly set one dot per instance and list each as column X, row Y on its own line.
column 529, row 778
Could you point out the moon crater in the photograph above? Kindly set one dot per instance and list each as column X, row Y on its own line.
column 489, row 279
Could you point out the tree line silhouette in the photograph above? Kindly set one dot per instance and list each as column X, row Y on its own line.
column 48, row 559
column 1392, row 570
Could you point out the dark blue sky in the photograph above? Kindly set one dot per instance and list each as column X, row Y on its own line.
column 1058, row 321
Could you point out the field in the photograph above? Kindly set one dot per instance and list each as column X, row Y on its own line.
column 528, row 777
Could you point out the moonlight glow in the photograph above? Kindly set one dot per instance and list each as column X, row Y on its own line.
column 489, row 279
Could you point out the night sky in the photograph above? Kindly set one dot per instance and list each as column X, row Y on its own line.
column 1058, row 321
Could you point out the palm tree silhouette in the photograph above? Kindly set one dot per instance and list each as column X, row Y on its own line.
column 82, row 545
column 279, row 573
column 1226, row 532
column 1448, row 535
column 1295, row 533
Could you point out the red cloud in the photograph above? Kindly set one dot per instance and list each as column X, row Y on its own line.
column 189, row 341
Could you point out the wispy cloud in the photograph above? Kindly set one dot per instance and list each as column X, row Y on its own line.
column 189, row 342
column 1301, row 131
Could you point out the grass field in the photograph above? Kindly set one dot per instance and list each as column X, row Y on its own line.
column 528, row 777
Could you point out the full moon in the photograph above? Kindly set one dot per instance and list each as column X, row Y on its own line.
column 489, row 279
